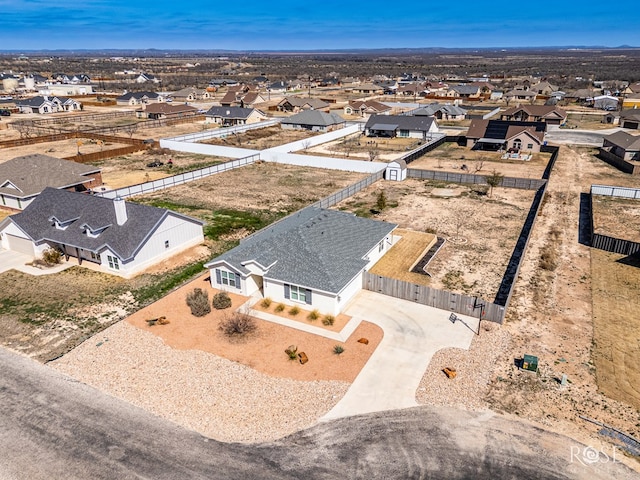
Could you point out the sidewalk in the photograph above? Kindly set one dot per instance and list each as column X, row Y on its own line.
column 413, row 333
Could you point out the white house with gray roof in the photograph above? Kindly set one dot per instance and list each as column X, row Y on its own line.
column 123, row 238
column 406, row 126
column 23, row 178
column 314, row 258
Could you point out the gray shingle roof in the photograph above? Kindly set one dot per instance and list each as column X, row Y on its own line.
column 403, row 122
column 37, row 221
column 32, row 173
column 624, row 140
column 229, row 112
column 432, row 108
column 315, row 118
column 314, row 248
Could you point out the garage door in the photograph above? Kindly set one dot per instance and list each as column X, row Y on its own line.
column 21, row 245
column 628, row 124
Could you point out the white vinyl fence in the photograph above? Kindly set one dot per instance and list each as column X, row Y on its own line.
column 611, row 191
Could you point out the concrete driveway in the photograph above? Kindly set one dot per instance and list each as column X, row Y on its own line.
column 12, row 260
column 412, row 334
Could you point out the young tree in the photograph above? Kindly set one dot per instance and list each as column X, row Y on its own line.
column 493, row 181
column 381, row 202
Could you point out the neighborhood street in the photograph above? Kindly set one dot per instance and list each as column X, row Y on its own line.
column 53, row 427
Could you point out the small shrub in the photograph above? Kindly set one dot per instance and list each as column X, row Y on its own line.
column 221, row 301
column 266, row 302
column 338, row 349
column 294, row 311
column 52, row 256
column 237, row 324
column 313, row 315
column 292, row 352
column 280, row 307
column 198, row 301
column 328, row 320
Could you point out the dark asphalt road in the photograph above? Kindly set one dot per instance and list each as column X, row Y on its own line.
column 52, row 427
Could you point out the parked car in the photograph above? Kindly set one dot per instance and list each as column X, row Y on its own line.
column 4, row 112
column 157, row 163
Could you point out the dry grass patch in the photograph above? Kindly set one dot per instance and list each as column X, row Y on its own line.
column 397, row 262
column 616, row 217
column 616, row 336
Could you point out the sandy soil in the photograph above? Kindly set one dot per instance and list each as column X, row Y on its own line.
column 262, row 350
column 475, row 257
column 61, row 149
column 616, row 217
column 358, row 147
column 450, row 158
column 262, row 138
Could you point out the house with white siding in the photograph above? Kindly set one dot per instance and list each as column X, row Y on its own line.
column 123, row 238
column 404, row 126
column 314, row 258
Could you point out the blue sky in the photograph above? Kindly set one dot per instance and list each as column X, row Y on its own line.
column 302, row 25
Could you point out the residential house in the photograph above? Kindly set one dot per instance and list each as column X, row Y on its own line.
column 550, row 114
column 278, row 87
column 630, row 118
column 297, row 104
column 122, row 238
column 501, row 135
column 441, row 112
column 191, row 94
column 606, row 102
column 228, row 116
column 543, row 88
column 313, row 120
column 147, row 77
column 623, row 145
column 464, row 91
column 314, row 258
column 140, row 98
column 520, row 95
column 23, row 178
column 241, row 98
column 46, row 104
column 366, row 108
column 157, row 111
column 411, row 89
column 631, row 101
column 368, row 89
column 404, row 126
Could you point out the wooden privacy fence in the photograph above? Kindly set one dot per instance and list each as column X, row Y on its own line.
column 179, row 179
column 434, row 142
column 469, row 178
column 114, row 152
column 442, row 299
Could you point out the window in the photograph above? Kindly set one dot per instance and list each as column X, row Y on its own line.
column 381, row 246
column 529, row 146
column 228, row 278
column 299, row 294
column 166, row 244
column 113, row 262
column 404, row 133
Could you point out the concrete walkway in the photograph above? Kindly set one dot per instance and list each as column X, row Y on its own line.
column 10, row 260
column 412, row 334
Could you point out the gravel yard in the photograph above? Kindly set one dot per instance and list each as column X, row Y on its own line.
column 218, row 398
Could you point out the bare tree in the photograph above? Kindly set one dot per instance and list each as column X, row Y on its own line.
column 131, row 129
column 373, row 154
column 459, row 218
column 478, row 166
column 25, row 128
column 306, row 144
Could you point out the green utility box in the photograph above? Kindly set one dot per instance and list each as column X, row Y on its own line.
column 530, row 362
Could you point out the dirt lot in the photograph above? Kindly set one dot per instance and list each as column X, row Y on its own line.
column 474, row 259
column 450, row 157
column 132, row 169
column 61, row 149
column 616, row 335
column 262, row 138
column 267, row 187
column 358, row 147
column 616, row 217
column 263, row 349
